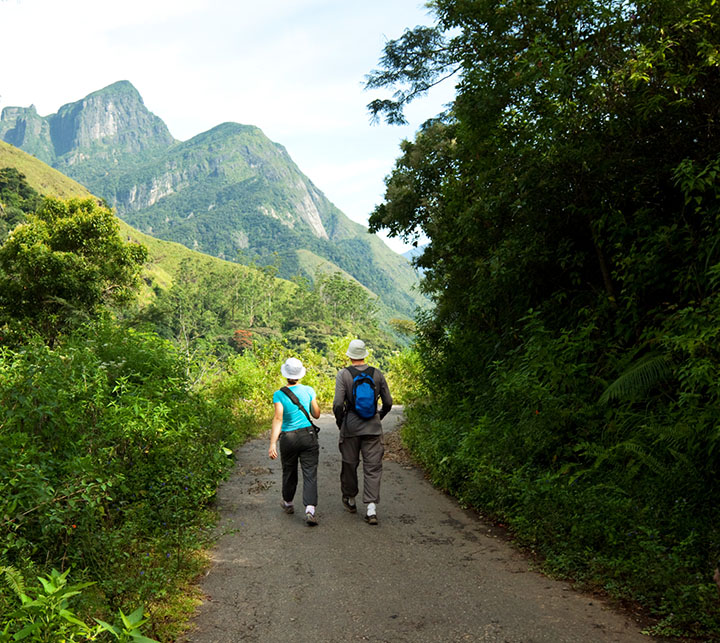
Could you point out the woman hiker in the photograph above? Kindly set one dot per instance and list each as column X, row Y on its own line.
column 295, row 430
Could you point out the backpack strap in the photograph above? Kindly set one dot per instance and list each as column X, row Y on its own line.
column 296, row 402
column 354, row 372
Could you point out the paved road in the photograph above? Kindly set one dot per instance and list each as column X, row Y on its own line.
column 430, row 572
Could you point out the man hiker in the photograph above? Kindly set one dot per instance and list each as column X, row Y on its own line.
column 357, row 388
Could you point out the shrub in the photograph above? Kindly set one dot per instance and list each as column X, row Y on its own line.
column 109, row 459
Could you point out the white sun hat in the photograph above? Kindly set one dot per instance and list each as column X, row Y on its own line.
column 357, row 349
column 292, row 369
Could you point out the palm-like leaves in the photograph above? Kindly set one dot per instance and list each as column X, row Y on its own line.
column 639, row 378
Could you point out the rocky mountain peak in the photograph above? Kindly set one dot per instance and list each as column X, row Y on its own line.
column 224, row 191
column 24, row 128
column 113, row 116
column 119, row 88
column 107, row 124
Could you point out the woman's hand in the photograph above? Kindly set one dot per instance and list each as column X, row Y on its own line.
column 275, row 431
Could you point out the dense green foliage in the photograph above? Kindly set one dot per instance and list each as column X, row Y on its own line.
column 118, row 417
column 65, row 263
column 108, row 458
column 17, row 199
column 222, row 303
column 571, row 196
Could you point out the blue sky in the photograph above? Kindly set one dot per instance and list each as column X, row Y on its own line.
column 294, row 68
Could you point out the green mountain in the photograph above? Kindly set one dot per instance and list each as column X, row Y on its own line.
column 41, row 177
column 229, row 192
column 164, row 257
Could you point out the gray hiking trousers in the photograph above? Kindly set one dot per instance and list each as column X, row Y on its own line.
column 372, row 449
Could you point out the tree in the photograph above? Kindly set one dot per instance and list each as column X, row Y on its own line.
column 571, row 199
column 17, row 198
column 555, row 169
column 66, row 263
column 346, row 299
column 404, row 327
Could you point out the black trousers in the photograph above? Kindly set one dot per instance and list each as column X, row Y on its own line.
column 302, row 446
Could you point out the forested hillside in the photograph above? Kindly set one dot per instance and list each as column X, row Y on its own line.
column 170, row 267
column 229, row 192
column 570, row 365
column 129, row 370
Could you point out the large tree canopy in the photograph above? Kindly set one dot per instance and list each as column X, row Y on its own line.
column 559, row 163
column 571, row 198
column 65, row 263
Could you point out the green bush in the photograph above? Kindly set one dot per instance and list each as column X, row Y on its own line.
column 405, row 376
column 109, row 459
column 619, row 493
column 44, row 614
column 252, row 378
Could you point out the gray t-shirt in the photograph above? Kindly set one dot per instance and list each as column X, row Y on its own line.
column 349, row 423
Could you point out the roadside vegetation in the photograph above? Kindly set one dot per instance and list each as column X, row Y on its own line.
column 566, row 380
column 569, row 369
column 119, row 415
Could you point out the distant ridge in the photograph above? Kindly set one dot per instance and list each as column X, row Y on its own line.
column 164, row 257
column 229, row 192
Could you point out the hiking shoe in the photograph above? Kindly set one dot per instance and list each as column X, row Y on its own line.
column 352, row 508
column 311, row 519
column 371, row 519
column 288, row 509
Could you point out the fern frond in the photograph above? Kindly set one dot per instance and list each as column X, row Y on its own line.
column 643, row 456
column 13, row 579
column 639, row 378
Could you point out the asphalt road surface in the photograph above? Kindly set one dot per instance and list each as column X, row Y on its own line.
column 429, row 572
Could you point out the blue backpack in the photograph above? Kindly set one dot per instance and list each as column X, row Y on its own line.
column 364, row 395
